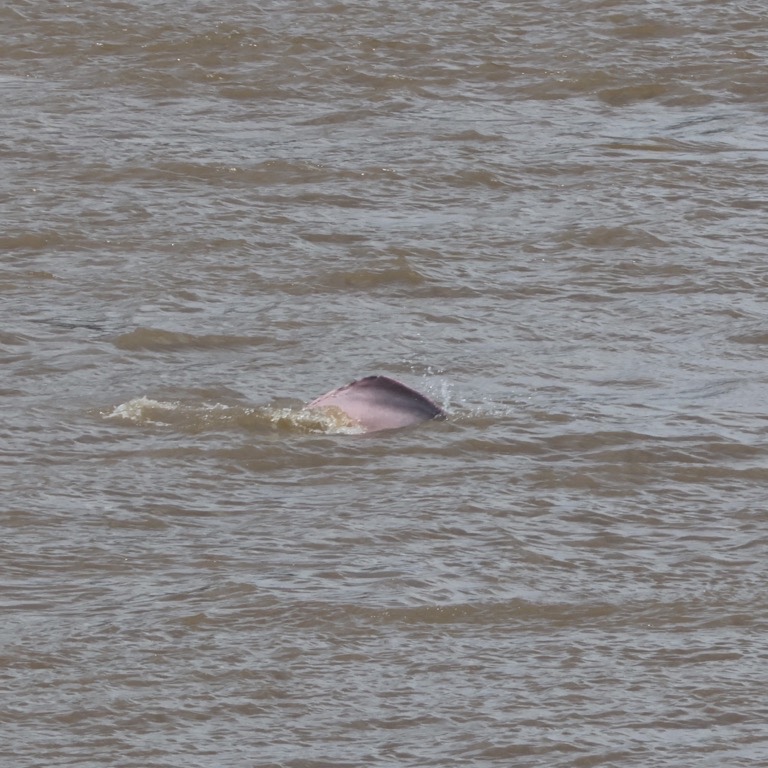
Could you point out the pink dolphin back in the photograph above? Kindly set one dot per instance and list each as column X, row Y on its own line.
column 378, row 402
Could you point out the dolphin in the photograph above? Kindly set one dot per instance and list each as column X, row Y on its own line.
column 378, row 402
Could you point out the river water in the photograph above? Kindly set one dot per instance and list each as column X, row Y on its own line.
column 550, row 217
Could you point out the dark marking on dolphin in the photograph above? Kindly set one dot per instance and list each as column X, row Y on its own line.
column 378, row 402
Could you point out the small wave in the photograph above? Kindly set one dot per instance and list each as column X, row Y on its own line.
column 361, row 279
column 155, row 339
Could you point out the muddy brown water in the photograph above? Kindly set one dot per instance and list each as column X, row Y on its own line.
column 550, row 217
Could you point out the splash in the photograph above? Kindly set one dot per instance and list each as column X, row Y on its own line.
column 142, row 410
column 146, row 411
column 328, row 421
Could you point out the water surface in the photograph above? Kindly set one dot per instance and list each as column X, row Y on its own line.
column 549, row 217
